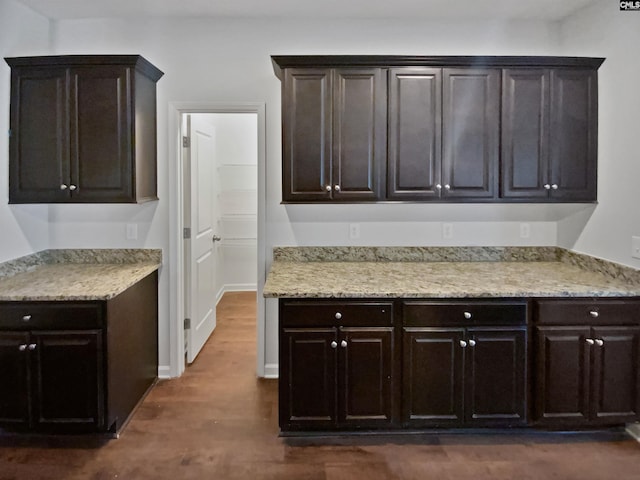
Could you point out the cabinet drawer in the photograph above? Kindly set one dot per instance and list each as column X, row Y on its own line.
column 330, row 313
column 588, row 312
column 447, row 313
column 49, row 315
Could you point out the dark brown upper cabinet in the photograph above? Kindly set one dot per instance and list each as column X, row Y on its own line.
column 462, row 129
column 83, row 129
column 334, row 134
column 549, row 134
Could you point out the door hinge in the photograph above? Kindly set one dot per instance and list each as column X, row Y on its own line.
column 185, row 142
column 9, row 132
column 187, row 323
column 186, row 232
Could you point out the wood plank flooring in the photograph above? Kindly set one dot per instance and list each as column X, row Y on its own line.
column 219, row 422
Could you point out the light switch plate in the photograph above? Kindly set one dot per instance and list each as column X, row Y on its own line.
column 635, row 247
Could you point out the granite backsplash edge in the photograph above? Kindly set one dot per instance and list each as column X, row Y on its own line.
column 607, row 268
column 78, row 256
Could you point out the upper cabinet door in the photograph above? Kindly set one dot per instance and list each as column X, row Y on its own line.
column 359, row 133
column 306, row 135
column 415, row 128
column 525, row 133
column 101, row 120
column 574, row 135
column 471, row 135
column 39, row 143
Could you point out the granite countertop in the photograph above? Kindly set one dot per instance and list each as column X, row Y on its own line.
column 554, row 275
column 75, row 275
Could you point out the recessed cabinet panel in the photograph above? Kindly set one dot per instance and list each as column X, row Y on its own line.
column 415, row 129
column 15, row 379
column 307, row 134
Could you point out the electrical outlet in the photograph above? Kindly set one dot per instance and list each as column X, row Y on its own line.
column 132, row 231
column 635, row 247
column 525, row 230
column 354, row 231
column 447, row 230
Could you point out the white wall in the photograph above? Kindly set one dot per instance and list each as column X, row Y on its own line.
column 228, row 61
column 24, row 227
column 602, row 30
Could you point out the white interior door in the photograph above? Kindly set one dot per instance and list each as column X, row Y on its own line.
column 201, row 247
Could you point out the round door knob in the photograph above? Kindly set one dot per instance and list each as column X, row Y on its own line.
column 599, row 342
column 32, row 346
column 22, row 347
column 336, row 188
column 338, row 315
column 72, row 187
column 26, row 318
column 472, row 343
column 216, row 238
column 63, row 187
column 589, row 341
column 467, row 315
column 554, row 186
column 594, row 313
column 463, row 344
column 328, row 188
column 343, row 344
column 334, row 344
column 547, row 186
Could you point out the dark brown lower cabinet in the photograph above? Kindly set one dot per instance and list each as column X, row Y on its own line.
column 77, row 367
column 464, row 376
column 587, row 375
column 336, row 378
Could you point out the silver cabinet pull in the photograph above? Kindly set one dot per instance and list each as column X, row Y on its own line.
column 547, row 186
column 589, row 341
column 447, row 187
column 26, row 318
column 467, row 315
column 63, row 187
column 554, row 186
column 32, row 346
column 338, row 315
column 73, row 187
column 594, row 313
column 336, row 188
column 22, row 347
column 343, row 344
column 472, row 343
column 334, row 344
column 438, row 186
column 599, row 342
column 328, row 188
column 463, row 344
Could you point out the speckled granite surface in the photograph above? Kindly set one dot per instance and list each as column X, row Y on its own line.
column 492, row 272
column 75, row 274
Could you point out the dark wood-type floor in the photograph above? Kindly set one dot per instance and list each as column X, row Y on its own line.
column 219, row 422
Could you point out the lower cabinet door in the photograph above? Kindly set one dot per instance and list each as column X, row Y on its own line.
column 14, row 378
column 562, row 375
column 495, row 377
column 67, row 380
column 365, row 377
column 308, row 378
column 433, row 376
column 615, row 385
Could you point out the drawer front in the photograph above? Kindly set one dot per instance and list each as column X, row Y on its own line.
column 447, row 313
column 588, row 312
column 49, row 315
column 335, row 313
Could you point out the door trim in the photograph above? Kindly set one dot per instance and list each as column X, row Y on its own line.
column 176, row 223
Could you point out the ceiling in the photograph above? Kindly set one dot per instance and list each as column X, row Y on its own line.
column 550, row 10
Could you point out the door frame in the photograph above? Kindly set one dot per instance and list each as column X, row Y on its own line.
column 176, row 225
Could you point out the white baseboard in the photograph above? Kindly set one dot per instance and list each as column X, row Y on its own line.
column 633, row 429
column 164, row 372
column 271, row 370
column 241, row 287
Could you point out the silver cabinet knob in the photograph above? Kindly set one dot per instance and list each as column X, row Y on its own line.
column 554, row 186
column 594, row 313
column 338, row 315
column 328, row 188
column 216, row 238
column 447, row 187
column 463, row 344
column 73, row 187
column 343, row 344
column 589, row 341
column 599, row 342
column 334, row 344
column 63, row 187
column 467, row 315
column 438, row 186
column 26, row 318
column 336, row 188
column 472, row 343
column 32, row 346
column 547, row 186
column 22, row 347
